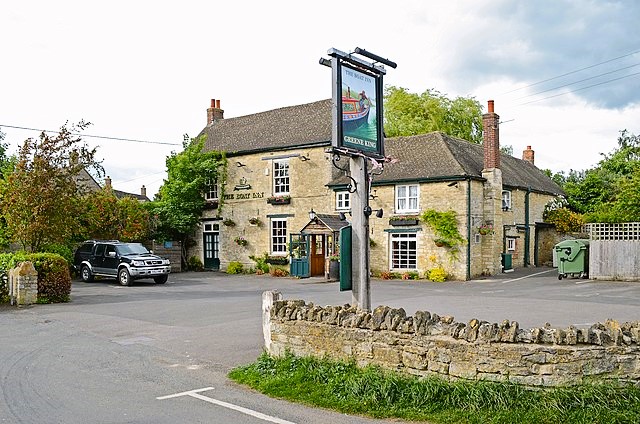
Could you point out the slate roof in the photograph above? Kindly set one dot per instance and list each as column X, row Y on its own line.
column 433, row 156
column 283, row 128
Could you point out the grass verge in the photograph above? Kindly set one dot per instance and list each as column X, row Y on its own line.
column 378, row 393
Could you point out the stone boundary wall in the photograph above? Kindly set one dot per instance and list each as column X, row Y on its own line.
column 428, row 344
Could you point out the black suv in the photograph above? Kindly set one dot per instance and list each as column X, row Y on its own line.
column 124, row 261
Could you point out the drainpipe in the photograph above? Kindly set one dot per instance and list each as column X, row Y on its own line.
column 468, row 228
column 527, row 233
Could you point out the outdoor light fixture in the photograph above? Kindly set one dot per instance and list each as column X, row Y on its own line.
column 312, row 215
column 240, row 164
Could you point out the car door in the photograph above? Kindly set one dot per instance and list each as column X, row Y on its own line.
column 110, row 261
column 97, row 258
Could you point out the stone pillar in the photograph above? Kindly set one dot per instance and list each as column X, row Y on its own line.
column 268, row 297
column 23, row 283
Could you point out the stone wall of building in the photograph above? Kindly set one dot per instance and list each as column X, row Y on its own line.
column 427, row 344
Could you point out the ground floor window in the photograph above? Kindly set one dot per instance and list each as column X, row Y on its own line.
column 404, row 251
column 279, row 236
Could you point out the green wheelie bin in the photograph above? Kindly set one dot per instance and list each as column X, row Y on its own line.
column 572, row 258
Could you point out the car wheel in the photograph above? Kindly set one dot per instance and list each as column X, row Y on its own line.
column 85, row 274
column 161, row 279
column 124, row 278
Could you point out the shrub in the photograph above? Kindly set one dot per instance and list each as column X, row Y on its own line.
column 438, row 274
column 234, row 267
column 278, row 272
column 195, row 264
column 54, row 278
column 262, row 263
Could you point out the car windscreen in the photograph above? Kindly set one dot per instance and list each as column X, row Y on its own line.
column 132, row 249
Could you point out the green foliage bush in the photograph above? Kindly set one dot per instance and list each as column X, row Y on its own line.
column 194, row 264
column 437, row 274
column 54, row 279
column 234, row 268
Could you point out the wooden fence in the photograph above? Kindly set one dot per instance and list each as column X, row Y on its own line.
column 614, row 251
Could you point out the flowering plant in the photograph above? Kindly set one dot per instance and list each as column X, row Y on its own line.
column 241, row 241
column 485, row 229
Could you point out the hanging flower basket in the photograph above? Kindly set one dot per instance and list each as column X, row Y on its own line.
column 279, row 200
column 241, row 241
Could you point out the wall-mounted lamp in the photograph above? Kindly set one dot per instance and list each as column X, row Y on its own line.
column 373, row 196
column 304, row 158
column 368, row 211
column 240, row 164
column 343, row 215
column 312, row 215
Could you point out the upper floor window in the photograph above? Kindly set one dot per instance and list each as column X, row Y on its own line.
column 506, row 200
column 280, row 177
column 343, row 200
column 407, row 198
column 211, row 190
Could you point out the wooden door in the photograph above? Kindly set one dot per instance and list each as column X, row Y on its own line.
column 317, row 254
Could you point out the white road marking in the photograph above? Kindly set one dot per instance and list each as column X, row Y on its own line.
column 196, row 394
column 527, row 276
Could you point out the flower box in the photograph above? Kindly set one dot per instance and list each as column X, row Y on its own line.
column 403, row 221
column 279, row 200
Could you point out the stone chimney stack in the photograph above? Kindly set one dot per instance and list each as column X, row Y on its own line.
column 491, row 138
column 107, row 182
column 214, row 113
column 528, row 155
column 143, row 191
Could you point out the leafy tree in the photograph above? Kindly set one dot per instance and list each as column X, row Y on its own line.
column 410, row 114
column 607, row 192
column 180, row 201
column 39, row 199
column 107, row 217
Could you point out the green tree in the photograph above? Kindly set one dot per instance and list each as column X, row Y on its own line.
column 410, row 114
column 180, row 201
column 39, row 199
column 106, row 217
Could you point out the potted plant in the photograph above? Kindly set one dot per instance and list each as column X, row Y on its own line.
column 334, row 267
column 255, row 221
column 279, row 200
column 241, row 241
column 485, row 229
column 400, row 220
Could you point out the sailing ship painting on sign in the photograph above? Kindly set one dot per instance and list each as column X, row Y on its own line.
column 359, row 118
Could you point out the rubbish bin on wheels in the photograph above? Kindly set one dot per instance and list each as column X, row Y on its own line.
column 572, row 258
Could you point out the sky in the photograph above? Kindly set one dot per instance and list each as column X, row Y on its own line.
column 564, row 75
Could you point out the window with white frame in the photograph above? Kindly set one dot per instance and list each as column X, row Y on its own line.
column 511, row 244
column 211, row 190
column 343, row 200
column 407, row 198
column 279, row 236
column 506, row 200
column 280, row 177
column 404, row 251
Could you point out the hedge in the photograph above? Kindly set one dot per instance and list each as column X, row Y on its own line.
column 54, row 279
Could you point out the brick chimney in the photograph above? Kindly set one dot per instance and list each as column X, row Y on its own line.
column 143, row 191
column 491, row 138
column 214, row 113
column 528, row 155
column 107, row 182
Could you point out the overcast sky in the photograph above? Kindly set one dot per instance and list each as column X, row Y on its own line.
column 565, row 75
